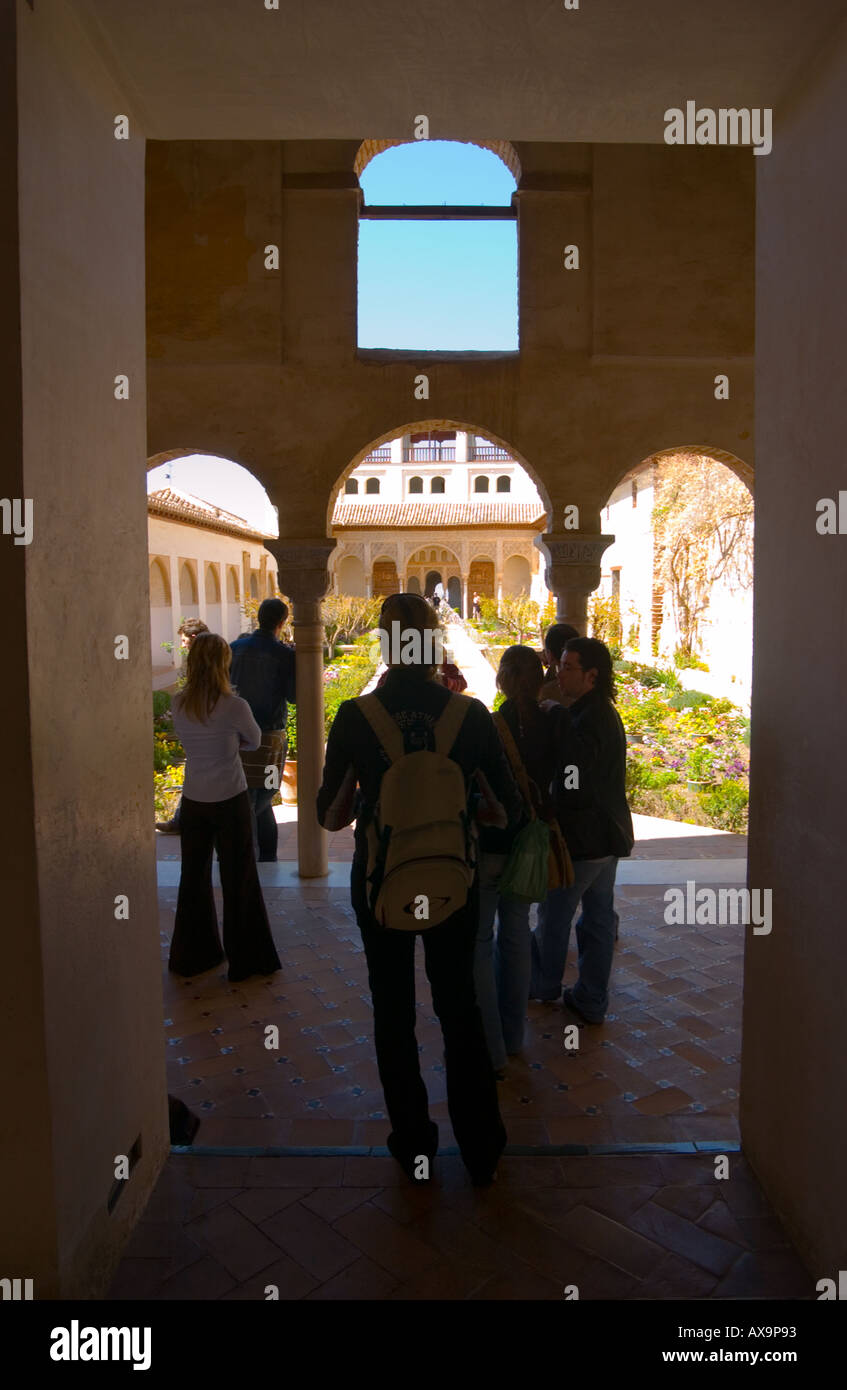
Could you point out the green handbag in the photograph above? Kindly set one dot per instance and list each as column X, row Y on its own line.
column 526, row 871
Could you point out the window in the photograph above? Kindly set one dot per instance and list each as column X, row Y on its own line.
column 416, row 484
column 372, row 485
column 447, row 280
column 351, row 487
column 437, row 485
column 480, row 484
column 504, row 484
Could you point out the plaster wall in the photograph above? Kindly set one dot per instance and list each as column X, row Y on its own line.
column 82, row 322
column 793, row 1110
column 174, row 541
column 578, row 408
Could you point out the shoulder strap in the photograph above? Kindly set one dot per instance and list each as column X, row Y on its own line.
column 450, row 722
column 511, row 750
column 385, row 728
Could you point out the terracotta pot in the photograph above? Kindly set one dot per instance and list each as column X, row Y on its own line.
column 288, row 789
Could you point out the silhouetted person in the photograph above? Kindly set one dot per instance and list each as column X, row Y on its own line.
column 263, row 674
column 213, row 724
column 356, row 757
column 555, row 639
column 595, row 819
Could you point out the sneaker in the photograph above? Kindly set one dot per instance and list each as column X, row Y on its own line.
column 568, row 1001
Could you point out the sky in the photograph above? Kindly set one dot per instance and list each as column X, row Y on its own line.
column 438, row 285
column 423, row 285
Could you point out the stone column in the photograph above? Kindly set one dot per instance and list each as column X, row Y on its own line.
column 304, row 578
column 573, row 572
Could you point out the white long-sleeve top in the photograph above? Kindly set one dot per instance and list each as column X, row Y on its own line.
column 213, row 770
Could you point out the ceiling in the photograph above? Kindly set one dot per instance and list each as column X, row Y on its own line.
column 489, row 69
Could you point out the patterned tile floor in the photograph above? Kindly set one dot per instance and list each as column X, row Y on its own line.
column 646, row 1227
column 664, row 1068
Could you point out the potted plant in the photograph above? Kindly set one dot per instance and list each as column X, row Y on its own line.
column 699, row 768
column 288, row 787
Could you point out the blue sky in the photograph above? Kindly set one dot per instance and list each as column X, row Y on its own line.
column 430, row 285
column 424, row 285
column 221, row 482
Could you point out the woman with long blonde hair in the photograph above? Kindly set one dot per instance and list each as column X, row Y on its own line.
column 213, row 725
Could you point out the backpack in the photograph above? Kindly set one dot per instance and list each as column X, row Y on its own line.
column 421, row 859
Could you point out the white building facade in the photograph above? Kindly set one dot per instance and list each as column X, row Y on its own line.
column 204, row 563
column 648, row 623
column 449, row 508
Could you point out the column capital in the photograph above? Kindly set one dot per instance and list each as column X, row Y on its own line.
column 303, row 567
column 572, row 570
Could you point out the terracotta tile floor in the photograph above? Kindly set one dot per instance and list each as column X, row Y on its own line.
column 638, row 1227
column 664, row 1068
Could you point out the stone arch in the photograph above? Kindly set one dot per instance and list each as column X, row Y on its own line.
column 517, row 575
column 742, row 470
column 160, row 583
column 504, row 149
column 350, row 576
column 212, row 584
column 232, row 586
column 187, row 585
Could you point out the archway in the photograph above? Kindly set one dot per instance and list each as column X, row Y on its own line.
column 431, row 582
column 384, row 578
column 350, row 576
column 481, row 578
column 517, row 576
column 504, row 149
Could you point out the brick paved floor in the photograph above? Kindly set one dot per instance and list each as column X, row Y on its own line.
column 648, row 1227
column 664, row 1068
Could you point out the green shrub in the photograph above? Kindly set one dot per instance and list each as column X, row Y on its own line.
column 690, row 699
column 688, row 661
column 161, row 703
column 726, row 805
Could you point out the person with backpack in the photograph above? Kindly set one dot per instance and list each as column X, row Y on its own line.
column 529, row 732
column 213, row 724
column 416, row 752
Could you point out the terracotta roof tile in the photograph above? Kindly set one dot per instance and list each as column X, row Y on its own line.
column 349, row 512
column 183, row 506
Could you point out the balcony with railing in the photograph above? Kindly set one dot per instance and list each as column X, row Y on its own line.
column 441, row 453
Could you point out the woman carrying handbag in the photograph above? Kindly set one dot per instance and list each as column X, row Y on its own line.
column 517, row 869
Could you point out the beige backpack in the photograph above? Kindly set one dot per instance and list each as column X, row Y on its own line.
column 421, row 858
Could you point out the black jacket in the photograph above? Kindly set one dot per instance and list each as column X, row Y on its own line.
column 594, row 815
column 263, row 671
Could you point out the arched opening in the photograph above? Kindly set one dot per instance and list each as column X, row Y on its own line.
column 504, row 484
column 437, row 485
column 517, row 576
column 437, row 265
column 384, row 578
column 214, row 610
column 372, row 486
column 350, row 576
column 480, row 483
column 351, row 487
column 188, row 590
column 481, row 578
column 415, row 485
column 431, row 582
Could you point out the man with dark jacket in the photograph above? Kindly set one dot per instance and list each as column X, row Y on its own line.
column 263, row 675
column 355, row 758
column 592, row 810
